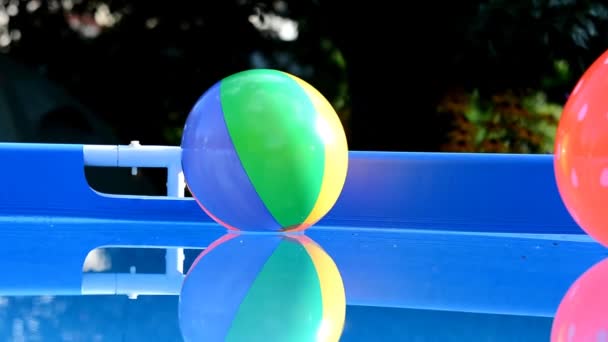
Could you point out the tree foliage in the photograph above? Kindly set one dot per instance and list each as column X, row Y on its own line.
column 142, row 64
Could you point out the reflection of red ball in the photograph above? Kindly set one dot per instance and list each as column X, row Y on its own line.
column 581, row 315
column 581, row 151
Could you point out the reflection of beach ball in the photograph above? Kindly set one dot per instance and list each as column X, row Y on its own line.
column 262, row 288
column 264, row 150
column 581, row 151
column 582, row 313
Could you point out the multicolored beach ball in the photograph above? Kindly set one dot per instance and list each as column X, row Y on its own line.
column 262, row 150
column 248, row 287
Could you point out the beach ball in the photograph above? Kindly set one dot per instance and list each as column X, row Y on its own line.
column 263, row 150
column 581, row 151
column 582, row 313
column 262, row 288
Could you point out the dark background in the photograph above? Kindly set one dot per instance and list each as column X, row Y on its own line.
column 403, row 76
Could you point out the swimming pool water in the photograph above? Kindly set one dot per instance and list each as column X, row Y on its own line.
column 117, row 318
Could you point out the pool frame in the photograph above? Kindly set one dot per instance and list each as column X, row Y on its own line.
column 480, row 233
